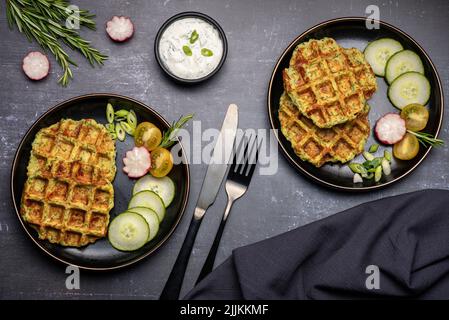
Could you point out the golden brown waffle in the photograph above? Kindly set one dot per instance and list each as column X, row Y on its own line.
column 68, row 194
column 329, row 84
column 340, row 143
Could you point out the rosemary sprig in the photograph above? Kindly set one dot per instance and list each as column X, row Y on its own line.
column 44, row 21
column 168, row 139
column 426, row 139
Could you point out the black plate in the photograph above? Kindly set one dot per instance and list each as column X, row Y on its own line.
column 352, row 32
column 101, row 255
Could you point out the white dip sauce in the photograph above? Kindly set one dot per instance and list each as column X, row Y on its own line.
column 177, row 36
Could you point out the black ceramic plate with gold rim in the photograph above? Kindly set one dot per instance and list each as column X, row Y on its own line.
column 101, row 255
column 352, row 32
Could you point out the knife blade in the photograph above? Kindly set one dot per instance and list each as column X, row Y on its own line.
column 219, row 162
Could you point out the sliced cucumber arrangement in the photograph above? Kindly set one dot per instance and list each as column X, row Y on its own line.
column 152, row 219
column 379, row 51
column 163, row 187
column 138, row 225
column 129, row 231
column 411, row 87
column 148, row 199
column 403, row 71
column 402, row 62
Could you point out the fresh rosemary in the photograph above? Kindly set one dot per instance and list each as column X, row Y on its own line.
column 44, row 21
column 426, row 139
column 168, row 138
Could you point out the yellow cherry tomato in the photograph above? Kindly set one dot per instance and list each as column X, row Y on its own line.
column 407, row 148
column 147, row 135
column 161, row 162
column 416, row 116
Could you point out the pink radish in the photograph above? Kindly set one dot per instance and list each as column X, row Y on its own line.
column 120, row 29
column 36, row 65
column 390, row 128
column 137, row 162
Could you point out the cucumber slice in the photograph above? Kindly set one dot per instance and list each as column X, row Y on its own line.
column 128, row 231
column 148, row 199
column 402, row 62
column 411, row 87
column 152, row 219
column 164, row 187
column 379, row 51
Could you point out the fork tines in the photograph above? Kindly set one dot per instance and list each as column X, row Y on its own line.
column 245, row 157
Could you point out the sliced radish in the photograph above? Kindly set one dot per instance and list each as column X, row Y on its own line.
column 390, row 128
column 137, row 162
column 120, row 29
column 36, row 65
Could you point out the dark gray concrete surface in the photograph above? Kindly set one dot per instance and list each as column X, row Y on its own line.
column 257, row 31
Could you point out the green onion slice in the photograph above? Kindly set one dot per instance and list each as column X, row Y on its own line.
column 193, row 37
column 132, row 119
column 206, row 52
column 120, row 132
column 122, row 113
column 110, row 113
column 128, row 129
column 187, row 50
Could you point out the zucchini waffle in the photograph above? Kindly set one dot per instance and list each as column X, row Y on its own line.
column 68, row 193
column 329, row 84
column 340, row 143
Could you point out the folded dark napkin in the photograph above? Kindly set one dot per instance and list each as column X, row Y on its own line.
column 406, row 237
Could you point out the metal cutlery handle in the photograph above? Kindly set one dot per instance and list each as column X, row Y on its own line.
column 209, row 263
column 174, row 283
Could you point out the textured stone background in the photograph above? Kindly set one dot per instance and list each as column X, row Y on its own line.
column 257, row 31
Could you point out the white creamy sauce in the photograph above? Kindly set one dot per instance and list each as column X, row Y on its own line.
column 177, row 35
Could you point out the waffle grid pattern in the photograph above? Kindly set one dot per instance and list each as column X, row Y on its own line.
column 340, row 143
column 68, row 194
column 329, row 84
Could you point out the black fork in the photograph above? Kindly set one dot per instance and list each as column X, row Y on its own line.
column 237, row 182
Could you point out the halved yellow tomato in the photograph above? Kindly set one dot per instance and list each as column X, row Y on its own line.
column 407, row 148
column 161, row 162
column 416, row 116
column 147, row 135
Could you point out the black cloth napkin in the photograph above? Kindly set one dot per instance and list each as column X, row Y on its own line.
column 406, row 237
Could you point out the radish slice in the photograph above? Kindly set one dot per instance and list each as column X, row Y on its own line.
column 36, row 65
column 137, row 162
column 120, row 29
column 390, row 128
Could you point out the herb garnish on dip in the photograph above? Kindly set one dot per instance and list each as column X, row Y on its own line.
column 191, row 48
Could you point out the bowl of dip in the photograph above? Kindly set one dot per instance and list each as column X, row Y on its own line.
column 190, row 47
